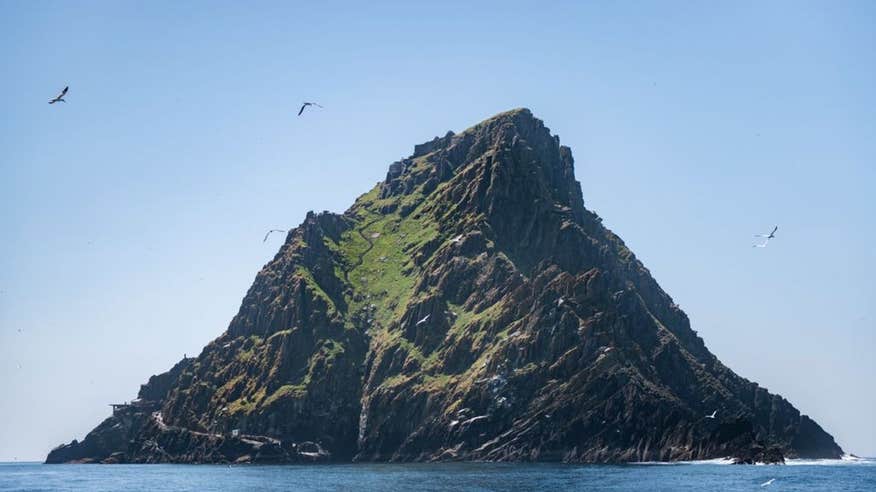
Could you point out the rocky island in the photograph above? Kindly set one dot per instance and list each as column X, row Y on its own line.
column 468, row 307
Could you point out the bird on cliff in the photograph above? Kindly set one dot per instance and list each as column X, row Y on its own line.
column 271, row 232
column 713, row 415
column 60, row 97
column 766, row 237
column 307, row 104
column 768, row 482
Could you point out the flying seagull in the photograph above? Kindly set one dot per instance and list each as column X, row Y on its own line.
column 60, row 97
column 768, row 482
column 271, row 232
column 770, row 235
column 305, row 105
column 423, row 320
column 713, row 415
column 766, row 237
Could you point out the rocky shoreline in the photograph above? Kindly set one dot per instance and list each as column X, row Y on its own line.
column 168, row 444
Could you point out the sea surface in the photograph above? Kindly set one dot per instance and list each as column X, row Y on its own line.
column 828, row 475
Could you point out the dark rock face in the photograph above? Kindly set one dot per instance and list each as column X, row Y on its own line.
column 468, row 308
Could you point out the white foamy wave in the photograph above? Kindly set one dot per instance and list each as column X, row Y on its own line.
column 847, row 459
column 716, row 461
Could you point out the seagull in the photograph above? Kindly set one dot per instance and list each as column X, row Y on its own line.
column 60, row 97
column 768, row 482
column 305, row 105
column 423, row 320
column 766, row 237
column 770, row 235
column 272, row 231
column 713, row 415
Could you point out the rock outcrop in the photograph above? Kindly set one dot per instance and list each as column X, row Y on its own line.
column 469, row 307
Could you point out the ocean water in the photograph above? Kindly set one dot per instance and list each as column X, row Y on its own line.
column 827, row 475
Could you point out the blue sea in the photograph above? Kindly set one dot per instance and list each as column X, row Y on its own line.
column 828, row 475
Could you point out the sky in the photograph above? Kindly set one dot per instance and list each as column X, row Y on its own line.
column 132, row 216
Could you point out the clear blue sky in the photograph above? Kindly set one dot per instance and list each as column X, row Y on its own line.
column 132, row 217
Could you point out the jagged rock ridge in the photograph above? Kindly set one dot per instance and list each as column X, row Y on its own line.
column 469, row 307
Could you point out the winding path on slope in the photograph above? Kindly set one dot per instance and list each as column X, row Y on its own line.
column 368, row 240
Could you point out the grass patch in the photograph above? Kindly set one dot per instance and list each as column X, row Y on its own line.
column 287, row 391
column 311, row 282
column 379, row 251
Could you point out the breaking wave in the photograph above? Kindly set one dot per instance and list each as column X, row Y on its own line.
column 715, row 461
column 847, row 459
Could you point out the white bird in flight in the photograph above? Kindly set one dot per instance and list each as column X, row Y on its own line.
column 59, row 97
column 304, row 105
column 423, row 320
column 768, row 482
column 766, row 237
column 713, row 415
column 272, row 231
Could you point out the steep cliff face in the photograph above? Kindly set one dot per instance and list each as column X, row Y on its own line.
column 468, row 307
